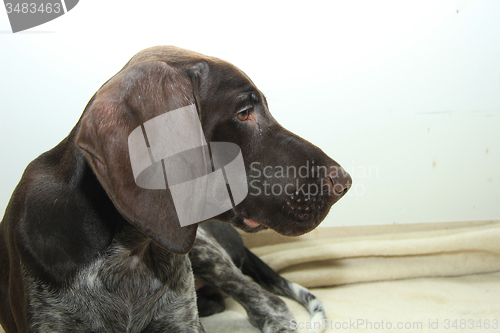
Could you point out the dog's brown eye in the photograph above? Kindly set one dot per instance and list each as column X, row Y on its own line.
column 243, row 115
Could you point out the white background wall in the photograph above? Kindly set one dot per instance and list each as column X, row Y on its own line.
column 404, row 94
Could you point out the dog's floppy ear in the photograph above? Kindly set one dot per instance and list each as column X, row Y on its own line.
column 138, row 93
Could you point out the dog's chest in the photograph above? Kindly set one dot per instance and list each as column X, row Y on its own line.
column 124, row 290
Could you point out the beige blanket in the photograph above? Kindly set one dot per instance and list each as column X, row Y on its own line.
column 419, row 278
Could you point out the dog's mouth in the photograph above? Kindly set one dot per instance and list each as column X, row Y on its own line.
column 241, row 220
column 249, row 225
column 297, row 213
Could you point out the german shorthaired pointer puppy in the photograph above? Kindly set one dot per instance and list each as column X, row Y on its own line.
column 83, row 248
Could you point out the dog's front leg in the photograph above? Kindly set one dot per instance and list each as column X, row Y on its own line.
column 265, row 310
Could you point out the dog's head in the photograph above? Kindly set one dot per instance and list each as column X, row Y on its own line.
column 290, row 184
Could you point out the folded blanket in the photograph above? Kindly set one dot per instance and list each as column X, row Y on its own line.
column 416, row 278
column 324, row 259
column 460, row 304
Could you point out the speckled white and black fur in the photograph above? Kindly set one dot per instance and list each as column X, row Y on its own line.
column 136, row 286
column 219, row 250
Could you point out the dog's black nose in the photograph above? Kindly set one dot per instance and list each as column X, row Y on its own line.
column 341, row 181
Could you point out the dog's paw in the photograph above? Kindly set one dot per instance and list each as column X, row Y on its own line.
column 275, row 321
column 279, row 325
column 271, row 314
column 287, row 324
